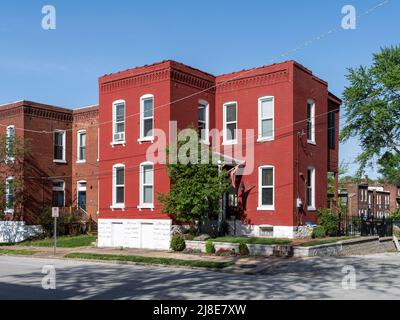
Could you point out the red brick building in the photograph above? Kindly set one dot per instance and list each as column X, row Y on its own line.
column 50, row 171
column 291, row 113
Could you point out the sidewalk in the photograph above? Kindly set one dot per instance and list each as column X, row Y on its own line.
column 240, row 265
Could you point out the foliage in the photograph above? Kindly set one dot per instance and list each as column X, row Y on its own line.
column 319, row 232
column 325, row 241
column 372, row 106
column 178, row 243
column 12, row 164
column 329, row 221
column 396, row 215
column 197, row 186
column 210, row 249
column 343, row 170
column 243, row 249
column 46, row 220
column 149, row 260
column 18, row 252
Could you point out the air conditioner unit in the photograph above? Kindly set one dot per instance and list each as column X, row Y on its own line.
column 119, row 136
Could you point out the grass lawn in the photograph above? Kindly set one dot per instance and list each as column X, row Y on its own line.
column 150, row 260
column 62, row 242
column 324, row 241
column 252, row 240
column 18, row 252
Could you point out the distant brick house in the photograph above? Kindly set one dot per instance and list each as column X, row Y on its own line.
column 295, row 120
column 52, row 172
column 366, row 199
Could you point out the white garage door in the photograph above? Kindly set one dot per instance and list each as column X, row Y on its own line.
column 117, row 234
column 147, row 235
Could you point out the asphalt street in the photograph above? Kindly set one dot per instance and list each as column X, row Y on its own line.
column 366, row 277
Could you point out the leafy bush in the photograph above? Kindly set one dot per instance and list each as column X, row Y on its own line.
column 396, row 215
column 329, row 221
column 210, row 247
column 319, row 232
column 243, row 249
column 178, row 243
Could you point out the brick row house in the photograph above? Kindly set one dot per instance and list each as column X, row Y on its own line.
column 60, row 167
column 294, row 120
column 372, row 200
column 274, row 126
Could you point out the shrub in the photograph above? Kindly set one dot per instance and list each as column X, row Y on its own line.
column 210, row 247
column 396, row 215
column 329, row 221
column 319, row 232
column 243, row 249
column 178, row 243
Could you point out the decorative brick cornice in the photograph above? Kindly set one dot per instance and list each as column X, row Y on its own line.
column 34, row 111
column 254, row 81
column 11, row 112
column 135, row 81
column 87, row 116
column 192, row 80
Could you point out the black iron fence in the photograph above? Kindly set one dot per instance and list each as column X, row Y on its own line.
column 365, row 226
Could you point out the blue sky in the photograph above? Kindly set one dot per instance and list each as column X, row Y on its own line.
column 93, row 38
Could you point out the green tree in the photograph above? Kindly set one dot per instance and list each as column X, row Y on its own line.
column 197, row 186
column 372, row 106
column 13, row 150
column 343, row 170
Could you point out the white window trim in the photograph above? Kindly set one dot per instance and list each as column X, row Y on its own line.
column 114, row 117
column 78, row 188
column 312, row 140
column 98, row 144
column 206, row 105
column 10, row 159
column 313, row 173
column 262, row 207
column 142, row 138
column 63, row 160
column 224, row 128
column 9, row 210
column 58, row 188
column 141, row 186
column 260, row 119
column 114, row 187
column 78, row 144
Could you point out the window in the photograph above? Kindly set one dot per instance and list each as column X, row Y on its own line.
column 118, row 186
column 266, row 118
column 82, row 146
column 146, row 185
column 119, row 122
column 9, row 195
column 59, row 146
column 266, row 188
column 311, row 121
column 331, row 130
column 311, row 188
column 146, row 117
column 230, row 122
column 58, row 193
column 10, row 142
column 203, row 119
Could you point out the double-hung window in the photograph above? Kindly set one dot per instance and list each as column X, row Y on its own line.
column 146, row 185
column 311, row 121
column 118, row 186
column 59, row 146
column 10, row 195
column 81, row 146
column 266, row 188
column 119, row 122
column 10, row 142
column 58, row 193
column 203, row 118
column 311, row 188
column 146, row 117
column 230, row 123
column 266, row 119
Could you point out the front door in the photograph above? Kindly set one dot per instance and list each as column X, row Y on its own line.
column 82, row 199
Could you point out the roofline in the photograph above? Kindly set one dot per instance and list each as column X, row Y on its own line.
column 334, row 98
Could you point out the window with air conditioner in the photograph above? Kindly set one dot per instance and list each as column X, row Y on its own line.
column 119, row 122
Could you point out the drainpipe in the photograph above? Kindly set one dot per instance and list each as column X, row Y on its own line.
column 220, row 214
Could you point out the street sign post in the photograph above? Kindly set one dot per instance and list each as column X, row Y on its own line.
column 55, row 213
